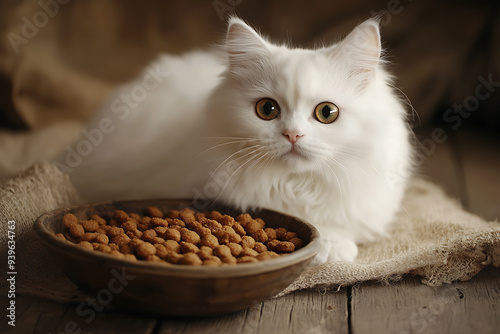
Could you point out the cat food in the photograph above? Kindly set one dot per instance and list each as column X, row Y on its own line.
column 181, row 237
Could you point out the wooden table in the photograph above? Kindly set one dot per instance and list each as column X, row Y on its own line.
column 466, row 165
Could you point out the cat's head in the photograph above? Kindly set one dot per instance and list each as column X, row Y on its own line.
column 304, row 108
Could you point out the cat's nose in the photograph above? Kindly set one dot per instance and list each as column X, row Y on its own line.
column 292, row 135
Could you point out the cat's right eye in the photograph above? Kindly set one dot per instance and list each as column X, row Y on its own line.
column 267, row 109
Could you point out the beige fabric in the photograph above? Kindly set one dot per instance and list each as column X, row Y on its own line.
column 433, row 238
column 40, row 189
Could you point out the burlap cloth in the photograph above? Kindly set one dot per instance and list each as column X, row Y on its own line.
column 432, row 238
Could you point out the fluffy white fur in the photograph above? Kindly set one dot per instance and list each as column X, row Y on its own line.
column 197, row 135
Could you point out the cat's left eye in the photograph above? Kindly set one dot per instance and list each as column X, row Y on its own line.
column 326, row 112
column 267, row 109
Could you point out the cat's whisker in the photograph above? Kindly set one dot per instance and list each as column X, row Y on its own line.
column 238, row 169
column 236, row 138
column 232, row 155
column 344, row 169
column 408, row 102
column 219, row 145
column 338, row 183
column 257, row 163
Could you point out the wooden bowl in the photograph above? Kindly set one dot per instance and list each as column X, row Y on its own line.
column 180, row 290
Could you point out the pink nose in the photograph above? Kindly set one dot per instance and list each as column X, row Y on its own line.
column 292, row 135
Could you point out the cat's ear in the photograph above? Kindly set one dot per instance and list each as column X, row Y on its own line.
column 361, row 49
column 245, row 47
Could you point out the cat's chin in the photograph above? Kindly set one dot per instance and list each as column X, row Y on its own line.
column 298, row 161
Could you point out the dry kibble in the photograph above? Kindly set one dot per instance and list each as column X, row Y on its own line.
column 161, row 251
column 249, row 252
column 260, row 247
column 271, row 245
column 212, row 262
column 280, row 233
column 121, row 216
column 114, row 231
column 200, row 215
column 121, row 240
column 248, row 242
column 243, row 219
column 126, row 249
column 160, row 231
column 129, row 225
column 172, row 245
column 102, row 239
column 271, row 233
column 190, row 236
column 99, row 219
column 260, row 236
column 187, row 247
column 134, row 216
column 76, row 230
column 135, row 234
column 210, row 241
column 229, row 260
column 224, row 220
column 159, row 240
column 247, row 259
column 135, row 242
column 252, row 226
column 222, row 251
column 130, row 257
column 172, row 234
column 90, row 225
column 158, row 222
column 69, row 219
column 117, row 254
column 187, row 215
column 101, row 248
column 88, row 236
column 154, row 212
column 153, row 258
column 174, row 214
column 177, row 222
column 181, row 237
column 239, row 229
column 145, row 220
column 145, row 249
column 213, row 225
column 288, row 236
column 235, row 248
column 205, row 254
column 149, row 235
column 86, row 245
column 173, row 257
column 297, row 242
column 203, row 231
column 215, row 215
column 191, row 259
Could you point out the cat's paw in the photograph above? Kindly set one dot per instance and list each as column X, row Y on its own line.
column 336, row 249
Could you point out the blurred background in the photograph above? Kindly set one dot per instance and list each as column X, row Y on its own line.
column 60, row 59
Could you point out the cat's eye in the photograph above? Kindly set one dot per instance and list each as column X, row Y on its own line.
column 326, row 112
column 267, row 109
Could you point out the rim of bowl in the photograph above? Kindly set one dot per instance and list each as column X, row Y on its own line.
column 241, row 269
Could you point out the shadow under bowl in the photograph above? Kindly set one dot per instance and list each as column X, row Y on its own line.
column 178, row 290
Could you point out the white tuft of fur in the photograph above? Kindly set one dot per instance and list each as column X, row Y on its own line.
column 197, row 135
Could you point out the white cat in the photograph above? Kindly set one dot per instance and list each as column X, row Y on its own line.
column 318, row 134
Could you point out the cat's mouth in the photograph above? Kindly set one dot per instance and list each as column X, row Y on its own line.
column 295, row 153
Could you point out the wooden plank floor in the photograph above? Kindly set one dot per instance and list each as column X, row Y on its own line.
column 467, row 166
